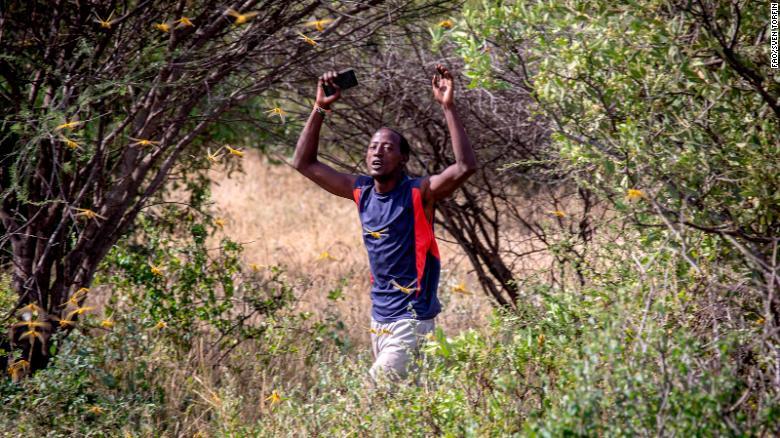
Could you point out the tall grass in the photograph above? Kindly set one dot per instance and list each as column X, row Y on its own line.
column 627, row 355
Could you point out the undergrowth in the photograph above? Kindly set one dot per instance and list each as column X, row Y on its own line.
column 622, row 357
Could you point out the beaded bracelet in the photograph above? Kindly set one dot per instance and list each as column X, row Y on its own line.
column 321, row 110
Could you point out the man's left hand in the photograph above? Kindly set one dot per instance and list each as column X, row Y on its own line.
column 442, row 86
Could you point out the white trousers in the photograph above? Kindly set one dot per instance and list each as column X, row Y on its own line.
column 396, row 344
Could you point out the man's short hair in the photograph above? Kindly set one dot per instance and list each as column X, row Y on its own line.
column 403, row 144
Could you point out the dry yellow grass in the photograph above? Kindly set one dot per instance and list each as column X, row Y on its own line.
column 291, row 221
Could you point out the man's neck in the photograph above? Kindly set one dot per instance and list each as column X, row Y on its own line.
column 388, row 183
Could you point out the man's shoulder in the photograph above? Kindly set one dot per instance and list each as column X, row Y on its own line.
column 419, row 181
column 363, row 180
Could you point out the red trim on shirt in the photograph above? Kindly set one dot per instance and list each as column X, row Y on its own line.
column 424, row 240
column 356, row 195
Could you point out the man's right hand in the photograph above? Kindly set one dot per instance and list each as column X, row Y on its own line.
column 326, row 101
column 305, row 159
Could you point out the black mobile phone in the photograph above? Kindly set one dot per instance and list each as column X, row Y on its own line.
column 345, row 79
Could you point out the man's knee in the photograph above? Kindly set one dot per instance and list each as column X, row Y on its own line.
column 392, row 365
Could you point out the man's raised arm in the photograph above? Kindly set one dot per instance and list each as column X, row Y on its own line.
column 305, row 159
column 445, row 183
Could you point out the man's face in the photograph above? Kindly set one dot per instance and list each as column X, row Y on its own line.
column 384, row 154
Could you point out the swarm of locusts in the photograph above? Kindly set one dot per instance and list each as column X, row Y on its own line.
column 167, row 26
column 35, row 327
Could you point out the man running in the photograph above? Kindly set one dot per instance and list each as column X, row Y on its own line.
column 396, row 213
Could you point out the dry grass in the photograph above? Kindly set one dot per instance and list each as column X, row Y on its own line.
column 291, row 221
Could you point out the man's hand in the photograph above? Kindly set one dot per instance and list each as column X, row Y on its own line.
column 326, row 101
column 442, row 86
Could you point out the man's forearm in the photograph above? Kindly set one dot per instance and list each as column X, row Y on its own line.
column 461, row 145
column 308, row 142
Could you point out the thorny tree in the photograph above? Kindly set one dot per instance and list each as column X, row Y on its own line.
column 102, row 100
column 687, row 124
column 669, row 110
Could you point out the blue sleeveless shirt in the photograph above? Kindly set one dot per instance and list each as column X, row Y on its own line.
column 402, row 252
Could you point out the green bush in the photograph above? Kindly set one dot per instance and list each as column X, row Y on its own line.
column 175, row 309
column 96, row 384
